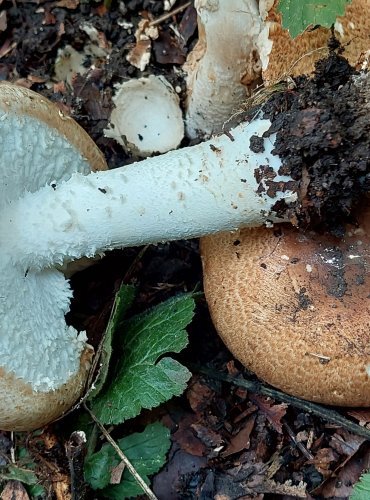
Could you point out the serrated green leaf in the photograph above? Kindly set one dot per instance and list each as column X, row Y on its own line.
column 298, row 14
column 122, row 302
column 142, row 381
column 36, row 490
column 14, row 473
column 145, row 450
column 361, row 490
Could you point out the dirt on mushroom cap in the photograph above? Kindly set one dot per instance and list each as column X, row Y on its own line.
column 322, row 125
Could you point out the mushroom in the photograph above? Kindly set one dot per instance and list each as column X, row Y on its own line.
column 50, row 216
column 147, row 117
column 293, row 306
column 44, row 363
column 224, row 65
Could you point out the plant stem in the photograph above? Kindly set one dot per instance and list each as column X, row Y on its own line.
column 123, row 457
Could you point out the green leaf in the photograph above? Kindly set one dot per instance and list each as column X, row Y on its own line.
column 122, row 303
column 36, row 490
column 298, row 14
column 14, row 473
column 144, row 378
column 361, row 491
column 145, row 450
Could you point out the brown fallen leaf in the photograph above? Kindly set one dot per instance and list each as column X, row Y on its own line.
column 273, row 412
column 208, row 436
column 14, row 490
column 346, row 443
column 3, row 20
column 362, row 415
column 340, row 484
column 323, row 460
column 116, row 474
column 199, row 395
column 241, row 441
column 168, row 49
column 66, row 4
column 188, row 23
column 186, row 438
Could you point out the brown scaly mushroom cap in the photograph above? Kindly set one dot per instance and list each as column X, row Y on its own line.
column 294, row 308
column 44, row 363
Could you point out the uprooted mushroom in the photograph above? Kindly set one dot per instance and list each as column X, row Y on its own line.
column 51, row 216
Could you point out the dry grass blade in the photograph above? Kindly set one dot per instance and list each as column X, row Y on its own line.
column 123, row 457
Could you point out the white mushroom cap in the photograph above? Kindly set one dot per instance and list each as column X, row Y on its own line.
column 43, row 362
column 147, row 118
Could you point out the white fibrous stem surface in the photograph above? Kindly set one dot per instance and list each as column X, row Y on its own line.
column 36, row 345
column 224, row 65
column 192, row 192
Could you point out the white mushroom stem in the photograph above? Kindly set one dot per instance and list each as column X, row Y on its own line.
column 224, row 65
column 187, row 193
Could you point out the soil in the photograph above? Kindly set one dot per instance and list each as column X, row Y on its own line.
column 322, row 127
column 227, row 441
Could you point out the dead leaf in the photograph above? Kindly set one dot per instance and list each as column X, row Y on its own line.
column 188, row 23
column 208, row 437
column 3, row 20
column 139, row 55
column 241, row 441
column 273, row 412
column 7, row 47
column 49, row 18
column 287, row 488
column 66, row 4
column 323, row 459
column 186, row 439
column 14, row 490
column 116, row 474
column 340, row 484
column 168, row 49
column 200, row 396
column 345, row 443
column 363, row 416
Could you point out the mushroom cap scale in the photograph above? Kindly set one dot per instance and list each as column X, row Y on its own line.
column 44, row 363
column 294, row 308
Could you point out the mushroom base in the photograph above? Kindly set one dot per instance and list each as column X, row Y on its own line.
column 24, row 409
column 294, row 307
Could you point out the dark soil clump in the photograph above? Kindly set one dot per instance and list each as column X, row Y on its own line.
column 322, row 128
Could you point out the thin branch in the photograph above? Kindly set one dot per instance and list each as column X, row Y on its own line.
column 178, row 9
column 259, row 388
column 123, row 457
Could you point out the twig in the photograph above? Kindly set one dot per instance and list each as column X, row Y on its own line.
column 297, row 443
column 75, row 452
column 259, row 388
column 12, row 449
column 123, row 457
column 178, row 9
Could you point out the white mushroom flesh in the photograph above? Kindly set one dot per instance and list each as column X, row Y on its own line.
column 147, row 117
